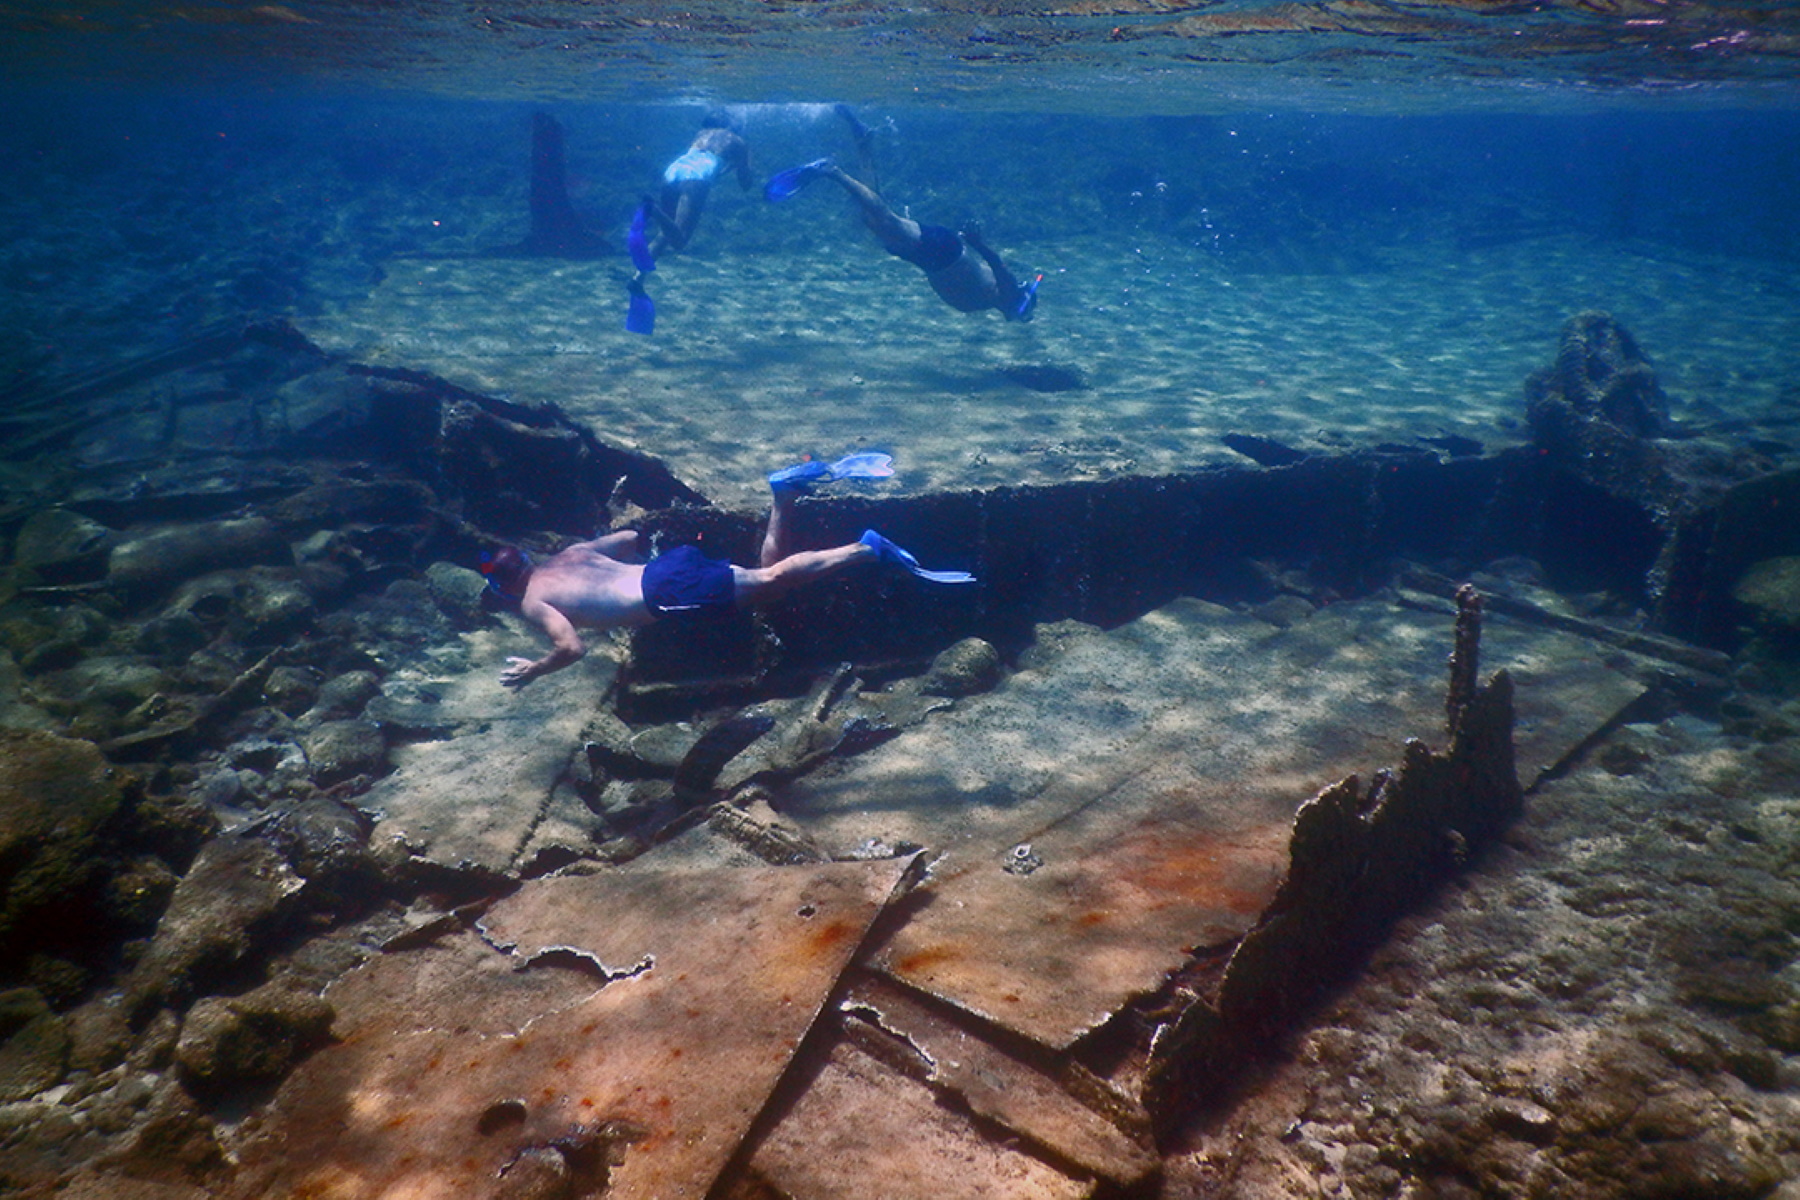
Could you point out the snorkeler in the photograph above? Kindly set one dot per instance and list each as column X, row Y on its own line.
column 668, row 223
column 961, row 268
column 602, row 584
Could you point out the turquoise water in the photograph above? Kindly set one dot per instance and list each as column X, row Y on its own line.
column 1335, row 226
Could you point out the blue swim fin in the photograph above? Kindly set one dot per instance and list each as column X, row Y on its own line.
column 865, row 464
column 890, row 553
column 641, row 316
column 783, row 184
column 638, row 240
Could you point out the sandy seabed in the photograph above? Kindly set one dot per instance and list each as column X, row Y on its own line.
column 1162, row 349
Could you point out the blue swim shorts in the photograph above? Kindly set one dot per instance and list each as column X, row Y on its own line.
column 684, row 582
column 939, row 247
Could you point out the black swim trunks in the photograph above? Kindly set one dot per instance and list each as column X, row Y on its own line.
column 938, row 248
column 684, row 582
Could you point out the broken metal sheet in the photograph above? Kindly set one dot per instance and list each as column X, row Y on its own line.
column 1087, row 866
column 475, row 799
column 998, row 1087
column 700, row 987
column 864, row 1129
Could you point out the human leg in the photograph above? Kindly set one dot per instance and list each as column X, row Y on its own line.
column 897, row 233
column 761, row 585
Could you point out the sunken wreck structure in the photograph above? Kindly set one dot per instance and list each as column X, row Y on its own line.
column 1013, row 887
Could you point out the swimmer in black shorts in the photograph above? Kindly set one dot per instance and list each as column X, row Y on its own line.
column 961, row 268
column 602, row 584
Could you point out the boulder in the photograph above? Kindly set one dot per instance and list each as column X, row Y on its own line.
column 341, row 750
column 154, row 560
column 237, row 891
column 61, row 547
column 457, row 591
column 57, row 798
column 1770, row 590
column 966, row 668
column 253, row 1038
column 251, row 604
column 34, row 1045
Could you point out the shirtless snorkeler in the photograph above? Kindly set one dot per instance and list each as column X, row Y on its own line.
column 602, row 585
column 962, row 268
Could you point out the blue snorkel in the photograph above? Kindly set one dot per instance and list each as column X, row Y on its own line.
column 1027, row 305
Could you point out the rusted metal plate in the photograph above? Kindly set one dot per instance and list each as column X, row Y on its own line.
column 1027, row 1099
column 864, row 1129
column 1135, row 799
column 700, row 986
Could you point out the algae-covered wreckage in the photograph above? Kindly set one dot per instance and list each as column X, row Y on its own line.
column 990, row 896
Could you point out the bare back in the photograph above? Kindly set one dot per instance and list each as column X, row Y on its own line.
column 590, row 589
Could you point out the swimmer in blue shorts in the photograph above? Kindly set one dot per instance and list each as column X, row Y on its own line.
column 603, row 584
column 718, row 147
column 962, row 269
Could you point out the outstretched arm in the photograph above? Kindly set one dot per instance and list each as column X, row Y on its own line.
column 1009, row 286
column 566, row 648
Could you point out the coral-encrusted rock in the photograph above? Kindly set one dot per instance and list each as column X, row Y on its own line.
column 1597, row 409
column 457, row 591
column 1601, row 373
column 250, row 1038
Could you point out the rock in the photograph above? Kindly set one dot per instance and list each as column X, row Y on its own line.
column 340, row 750
column 137, row 895
column 57, row 798
column 967, row 668
column 99, row 1034
column 114, row 684
column 252, row 604
column 399, row 626
column 34, row 1054
column 457, row 591
column 345, row 695
column 15, row 711
column 174, row 1142
column 344, row 502
column 251, row 1038
column 538, row 1173
column 172, row 635
column 324, row 840
column 158, row 559
column 1770, row 589
column 292, row 690
column 62, row 547
column 237, row 891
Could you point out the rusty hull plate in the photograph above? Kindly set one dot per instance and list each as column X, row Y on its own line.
column 1002, row 1089
column 715, row 977
column 864, row 1130
column 1185, row 840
